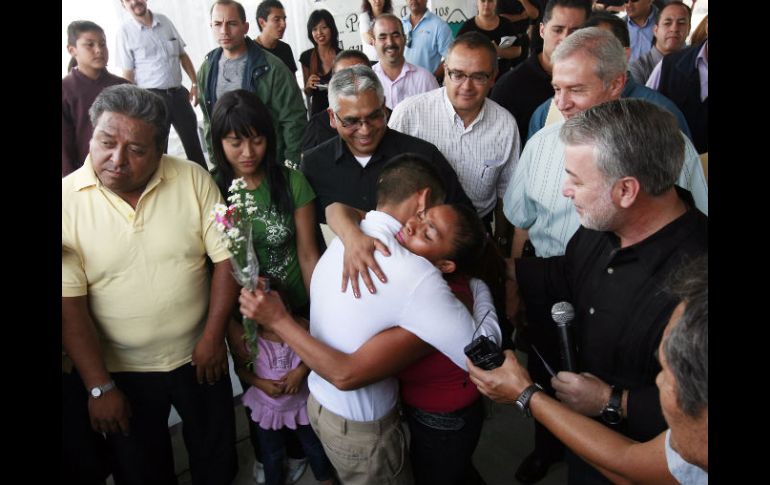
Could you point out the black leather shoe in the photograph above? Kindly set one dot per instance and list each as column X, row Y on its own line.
column 532, row 469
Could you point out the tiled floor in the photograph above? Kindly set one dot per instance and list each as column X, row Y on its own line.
column 506, row 439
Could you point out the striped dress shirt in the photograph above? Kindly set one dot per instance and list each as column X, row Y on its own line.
column 483, row 154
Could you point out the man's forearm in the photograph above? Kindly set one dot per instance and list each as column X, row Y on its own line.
column 222, row 300
column 81, row 342
column 329, row 363
column 520, row 237
column 503, row 228
column 616, row 456
column 188, row 67
column 129, row 75
column 343, row 219
column 384, row 355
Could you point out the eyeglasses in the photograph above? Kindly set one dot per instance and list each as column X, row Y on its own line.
column 409, row 39
column 480, row 78
column 373, row 118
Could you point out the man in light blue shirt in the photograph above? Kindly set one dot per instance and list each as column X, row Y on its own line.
column 640, row 17
column 427, row 37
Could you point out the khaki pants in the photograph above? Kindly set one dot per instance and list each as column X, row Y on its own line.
column 363, row 452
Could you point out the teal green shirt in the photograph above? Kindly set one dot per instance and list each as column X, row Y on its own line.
column 274, row 237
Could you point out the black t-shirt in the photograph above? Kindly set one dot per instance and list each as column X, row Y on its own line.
column 283, row 52
column 522, row 90
column 504, row 28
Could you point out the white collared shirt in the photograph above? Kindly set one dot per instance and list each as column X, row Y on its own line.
column 416, row 297
column 151, row 52
column 483, row 154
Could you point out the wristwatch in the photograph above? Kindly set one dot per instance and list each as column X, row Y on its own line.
column 98, row 391
column 612, row 412
column 522, row 402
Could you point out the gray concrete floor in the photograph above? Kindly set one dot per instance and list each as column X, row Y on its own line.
column 506, row 438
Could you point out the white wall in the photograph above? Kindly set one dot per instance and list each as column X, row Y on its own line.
column 191, row 18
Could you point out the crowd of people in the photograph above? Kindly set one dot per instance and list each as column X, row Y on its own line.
column 552, row 151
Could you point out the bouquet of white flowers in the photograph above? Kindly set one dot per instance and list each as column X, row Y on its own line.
column 234, row 222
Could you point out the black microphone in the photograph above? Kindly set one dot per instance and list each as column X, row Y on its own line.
column 563, row 313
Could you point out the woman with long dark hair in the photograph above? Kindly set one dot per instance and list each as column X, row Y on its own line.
column 283, row 234
column 317, row 62
column 244, row 145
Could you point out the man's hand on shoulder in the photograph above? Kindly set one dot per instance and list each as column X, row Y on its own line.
column 358, row 258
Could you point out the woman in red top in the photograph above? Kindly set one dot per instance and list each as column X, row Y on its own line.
column 441, row 404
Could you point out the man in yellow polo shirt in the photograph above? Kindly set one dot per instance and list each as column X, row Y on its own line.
column 142, row 320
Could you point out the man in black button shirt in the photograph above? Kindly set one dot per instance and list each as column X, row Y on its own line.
column 636, row 229
column 346, row 168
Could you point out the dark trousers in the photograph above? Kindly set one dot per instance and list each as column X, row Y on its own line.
column 85, row 460
column 182, row 116
column 145, row 457
column 441, row 447
column 541, row 331
column 273, row 444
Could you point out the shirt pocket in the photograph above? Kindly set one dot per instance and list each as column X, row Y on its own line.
column 172, row 48
column 491, row 167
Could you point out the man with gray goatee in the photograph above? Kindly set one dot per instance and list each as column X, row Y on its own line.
column 637, row 228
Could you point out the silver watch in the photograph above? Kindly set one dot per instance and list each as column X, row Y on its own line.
column 98, row 391
column 522, row 402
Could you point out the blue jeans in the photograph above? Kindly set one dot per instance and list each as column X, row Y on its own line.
column 442, row 444
column 273, row 445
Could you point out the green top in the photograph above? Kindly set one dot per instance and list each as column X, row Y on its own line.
column 274, row 237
